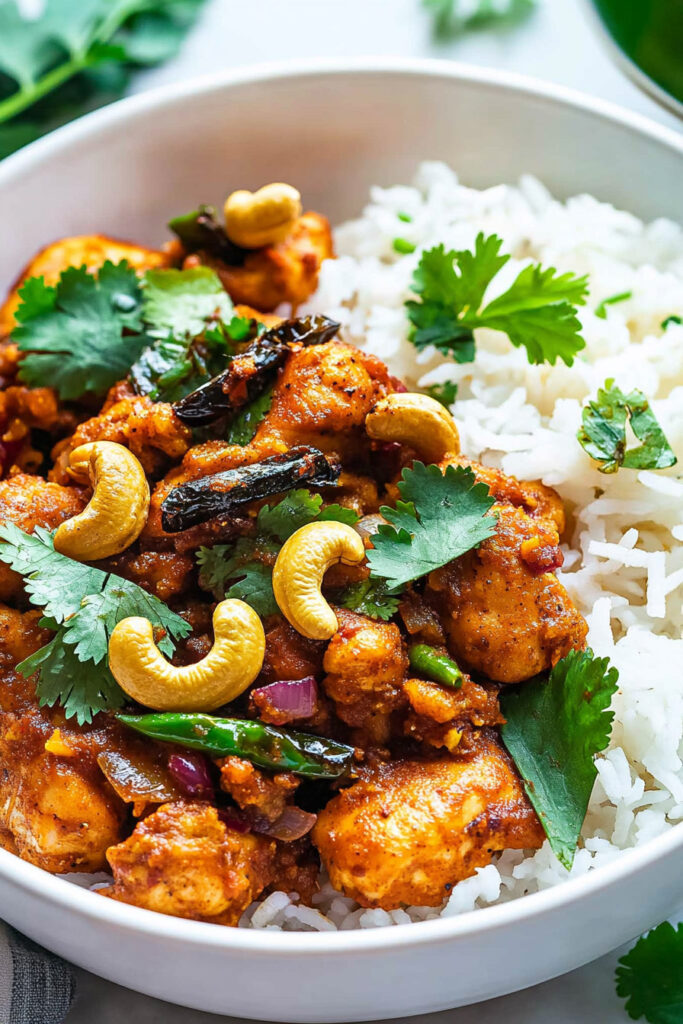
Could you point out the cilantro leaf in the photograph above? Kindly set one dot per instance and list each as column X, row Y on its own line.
column 449, row 22
column 83, row 604
column 179, row 309
column 603, row 431
column 182, row 302
column 244, row 569
column 84, row 334
column 555, row 725
column 650, row 976
column 296, row 509
column 537, row 311
column 244, row 425
column 369, row 597
column 611, row 300
column 446, row 392
column 442, row 516
column 235, row 570
column 671, row 320
column 74, row 56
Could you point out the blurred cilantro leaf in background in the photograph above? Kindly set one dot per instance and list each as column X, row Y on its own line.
column 452, row 18
column 77, row 55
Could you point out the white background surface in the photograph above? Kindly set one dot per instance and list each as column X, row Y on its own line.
column 558, row 43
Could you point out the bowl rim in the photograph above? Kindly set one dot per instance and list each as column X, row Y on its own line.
column 73, row 898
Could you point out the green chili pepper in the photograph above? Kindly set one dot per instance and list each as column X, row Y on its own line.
column 439, row 667
column 298, row 752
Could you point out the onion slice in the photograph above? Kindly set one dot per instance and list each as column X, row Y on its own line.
column 292, row 824
column 191, row 772
column 288, row 699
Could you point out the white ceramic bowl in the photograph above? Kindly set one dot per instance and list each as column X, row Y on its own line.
column 333, row 129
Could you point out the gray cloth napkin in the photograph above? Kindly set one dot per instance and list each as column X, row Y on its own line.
column 36, row 987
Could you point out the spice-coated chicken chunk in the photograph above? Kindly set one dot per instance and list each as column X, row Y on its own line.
column 182, row 860
column 287, row 272
column 77, row 251
column 505, row 613
column 59, row 809
column 409, row 830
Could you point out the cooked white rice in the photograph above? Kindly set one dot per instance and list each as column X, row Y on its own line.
column 623, row 560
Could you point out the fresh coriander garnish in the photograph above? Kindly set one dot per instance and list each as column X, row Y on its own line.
column 82, row 604
column 74, row 55
column 83, row 334
column 405, row 218
column 446, row 392
column 671, row 320
column 450, row 21
column 183, row 302
column 538, row 310
column 650, row 976
column 244, row 569
column 441, row 516
column 603, row 431
column 369, row 597
column 403, row 246
column 601, row 308
column 555, row 725
column 243, row 427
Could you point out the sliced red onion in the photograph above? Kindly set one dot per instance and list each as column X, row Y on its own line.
column 191, row 772
column 234, row 819
column 397, row 384
column 292, row 824
column 293, row 698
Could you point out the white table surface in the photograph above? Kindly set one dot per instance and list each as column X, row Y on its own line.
column 558, row 44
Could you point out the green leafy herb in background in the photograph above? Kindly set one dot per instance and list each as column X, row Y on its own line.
column 671, row 320
column 83, row 604
column 538, row 310
column 77, row 55
column 603, row 431
column 442, row 516
column 650, row 976
column 449, row 20
column 555, row 725
column 82, row 335
column 446, row 392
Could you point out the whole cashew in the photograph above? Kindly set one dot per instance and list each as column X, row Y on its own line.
column 299, row 570
column 265, row 217
column 117, row 512
column 415, row 420
column 231, row 665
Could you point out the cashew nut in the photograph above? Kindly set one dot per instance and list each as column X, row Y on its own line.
column 228, row 669
column 265, row 217
column 299, row 570
column 117, row 512
column 415, row 420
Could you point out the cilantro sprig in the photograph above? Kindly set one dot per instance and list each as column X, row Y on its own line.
column 76, row 55
column 650, row 976
column 537, row 312
column 82, row 604
column 371, row 598
column 244, row 569
column 450, row 21
column 83, row 334
column 555, row 725
column 603, row 431
column 441, row 516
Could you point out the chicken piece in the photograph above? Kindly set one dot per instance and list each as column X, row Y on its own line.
column 287, row 272
column 289, row 655
column 321, row 398
column 30, row 501
column 151, row 430
column 409, row 830
column 533, row 497
column 58, row 807
column 183, row 861
column 254, row 790
column 162, row 573
column 366, row 664
column 77, row 251
column 445, row 718
column 504, row 617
